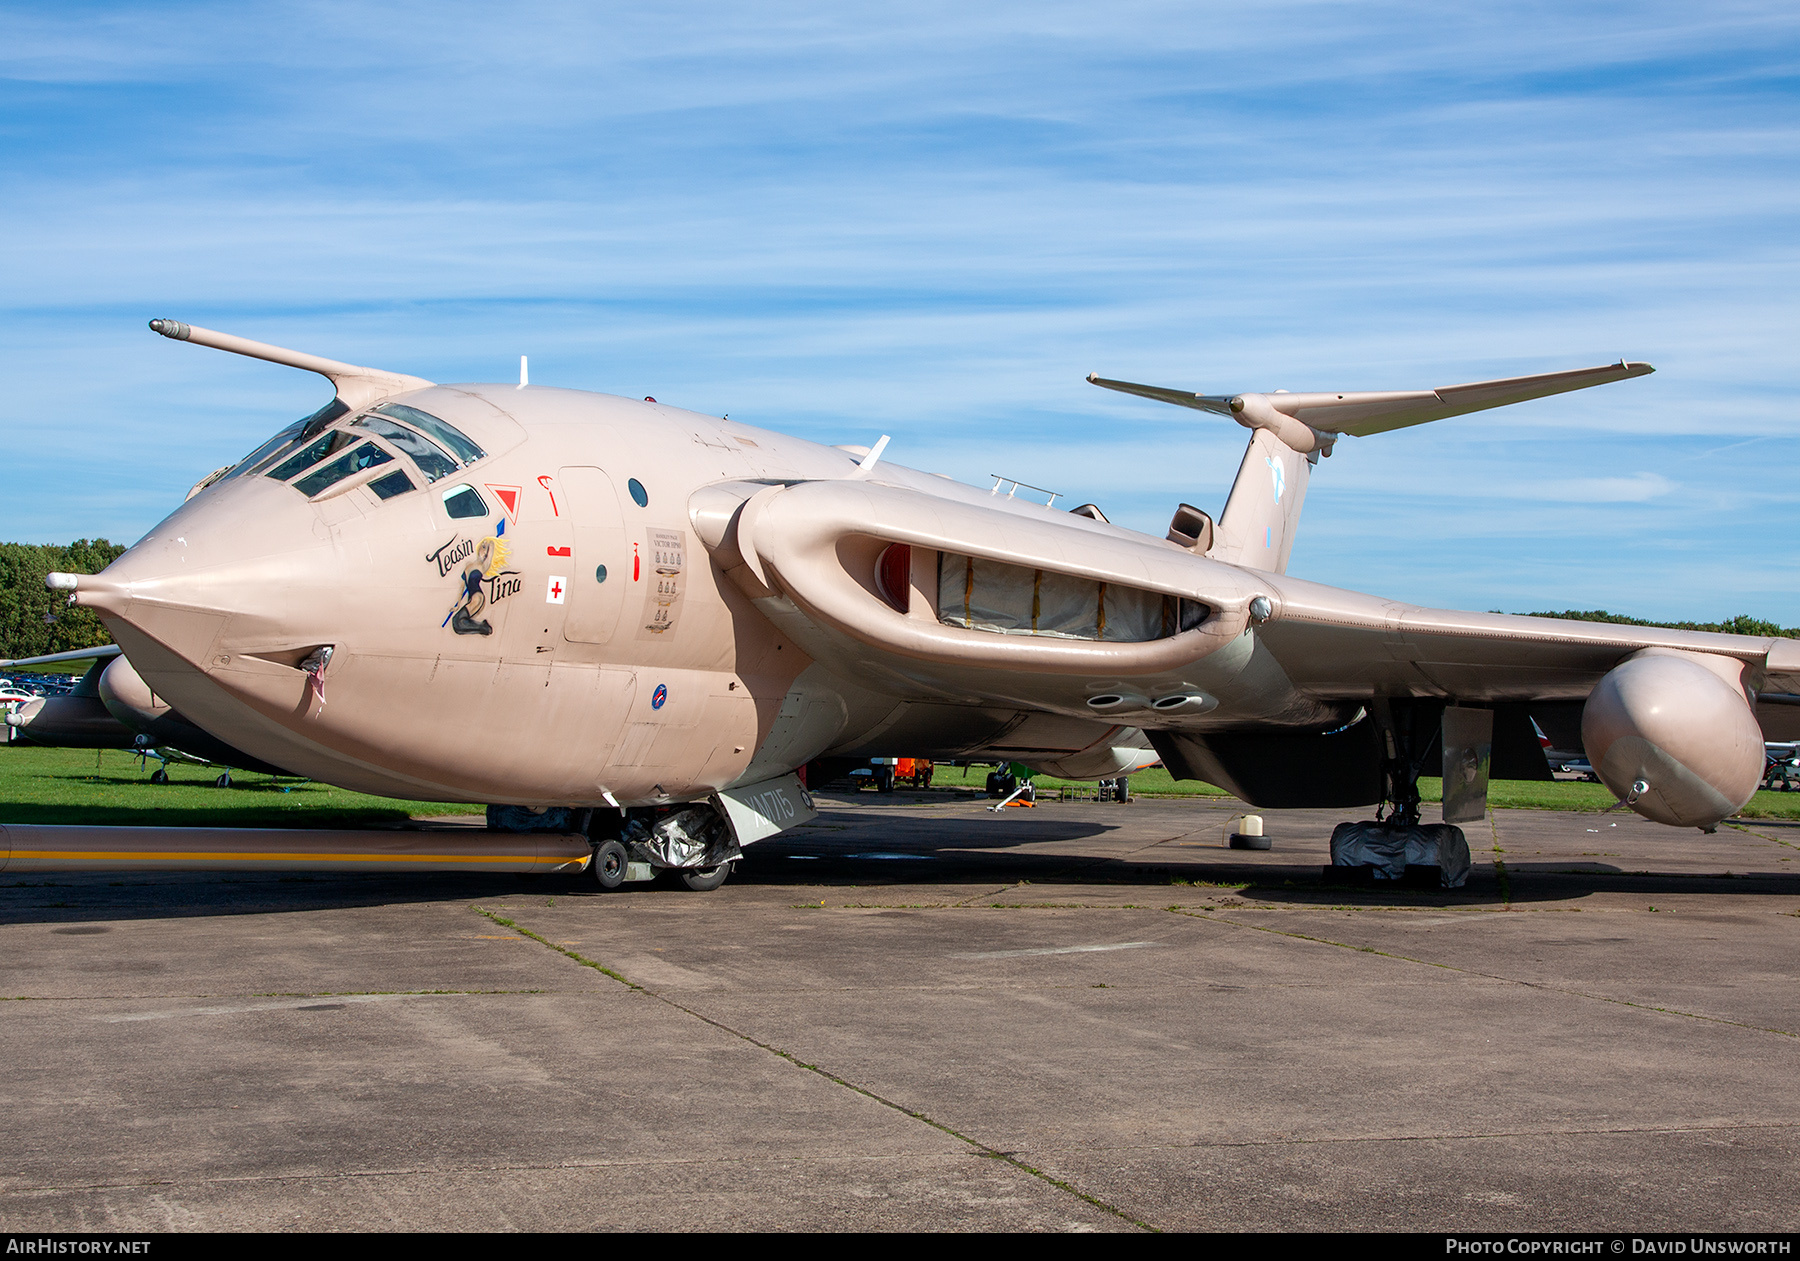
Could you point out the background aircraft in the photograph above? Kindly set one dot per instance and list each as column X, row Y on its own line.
column 111, row 707
column 554, row 599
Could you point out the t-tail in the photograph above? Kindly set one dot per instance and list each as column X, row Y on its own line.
column 1289, row 432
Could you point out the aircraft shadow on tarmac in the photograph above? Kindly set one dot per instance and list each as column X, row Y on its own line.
column 73, row 900
column 848, row 849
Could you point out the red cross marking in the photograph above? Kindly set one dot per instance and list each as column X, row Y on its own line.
column 556, row 588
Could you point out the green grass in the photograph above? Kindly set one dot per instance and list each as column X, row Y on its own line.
column 107, row 787
column 1512, row 794
column 1151, row 783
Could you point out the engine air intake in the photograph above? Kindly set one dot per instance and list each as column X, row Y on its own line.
column 1004, row 599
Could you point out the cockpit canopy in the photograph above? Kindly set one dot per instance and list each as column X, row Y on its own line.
column 323, row 450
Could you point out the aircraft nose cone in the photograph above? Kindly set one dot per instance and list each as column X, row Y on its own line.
column 236, row 561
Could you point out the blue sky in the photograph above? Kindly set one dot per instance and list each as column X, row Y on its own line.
column 933, row 223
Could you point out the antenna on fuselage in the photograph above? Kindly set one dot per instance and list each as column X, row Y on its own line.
column 524, row 373
column 869, row 460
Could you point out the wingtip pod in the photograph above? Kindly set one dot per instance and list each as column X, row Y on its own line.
column 1673, row 735
column 174, row 329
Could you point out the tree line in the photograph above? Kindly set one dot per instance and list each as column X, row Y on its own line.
column 35, row 620
column 1742, row 624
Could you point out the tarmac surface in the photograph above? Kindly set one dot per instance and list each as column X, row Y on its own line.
column 916, row 1014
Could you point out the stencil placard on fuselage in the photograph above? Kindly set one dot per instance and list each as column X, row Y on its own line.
column 665, row 554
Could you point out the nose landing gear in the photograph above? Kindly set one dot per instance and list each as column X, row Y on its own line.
column 611, row 864
column 693, row 841
column 705, row 879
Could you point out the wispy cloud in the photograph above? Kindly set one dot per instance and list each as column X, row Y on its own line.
column 932, row 221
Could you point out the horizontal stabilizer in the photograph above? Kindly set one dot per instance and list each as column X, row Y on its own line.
column 1376, row 411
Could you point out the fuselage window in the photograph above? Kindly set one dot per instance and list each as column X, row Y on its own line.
column 462, row 501
column 318, row 449
column 433, row 460
column 638, row 494
column 301, row 430
column 368, row 455
column 391, row 485
column 446, row 434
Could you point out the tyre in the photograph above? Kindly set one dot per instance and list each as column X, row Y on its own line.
column 224, row 781
column 704, row 879
column 609, row 864
column 159, row 776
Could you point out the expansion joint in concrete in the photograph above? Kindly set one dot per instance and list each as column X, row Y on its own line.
column 980, row 1148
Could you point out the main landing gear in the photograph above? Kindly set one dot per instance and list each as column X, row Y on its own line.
column 1398, row 847
column 1410, row 731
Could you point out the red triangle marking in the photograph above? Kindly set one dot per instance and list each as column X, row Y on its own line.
column 509, row 499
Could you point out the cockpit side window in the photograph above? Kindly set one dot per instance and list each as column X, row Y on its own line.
column 462, row 501
column 433, row 460
column 395, row 483
column 368, row 455
column 300, row 431
column 326, row 445
column 445, row 433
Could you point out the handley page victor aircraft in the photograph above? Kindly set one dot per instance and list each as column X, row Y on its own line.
column 556, row 599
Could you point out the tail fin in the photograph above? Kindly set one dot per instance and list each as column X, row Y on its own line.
column 1290, row 431
column 1263, row 511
